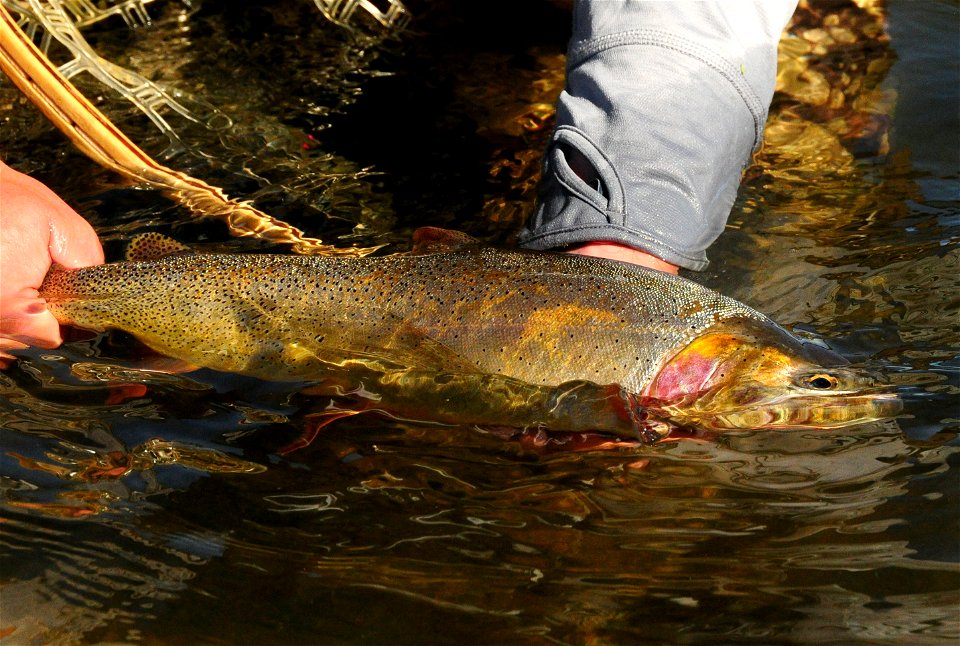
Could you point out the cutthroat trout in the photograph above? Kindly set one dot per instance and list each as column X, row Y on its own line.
column 462, row 332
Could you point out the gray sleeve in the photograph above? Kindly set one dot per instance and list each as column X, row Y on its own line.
column 664, row 103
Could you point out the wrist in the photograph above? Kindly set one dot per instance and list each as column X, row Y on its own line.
column 623, row 253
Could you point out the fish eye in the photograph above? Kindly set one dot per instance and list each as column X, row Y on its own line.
column 822, row 382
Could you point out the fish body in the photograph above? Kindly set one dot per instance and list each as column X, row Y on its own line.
column 526, row 323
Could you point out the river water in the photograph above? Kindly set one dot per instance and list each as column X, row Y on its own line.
column 145, row 507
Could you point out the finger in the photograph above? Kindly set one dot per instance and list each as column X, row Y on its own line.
column 29, row 322
column 73, row 242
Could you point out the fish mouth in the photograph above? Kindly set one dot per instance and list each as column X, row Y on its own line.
column 742, row 375
column 799, row 411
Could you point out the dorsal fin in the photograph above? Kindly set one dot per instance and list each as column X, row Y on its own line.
column 153, row 246
column 436, row 240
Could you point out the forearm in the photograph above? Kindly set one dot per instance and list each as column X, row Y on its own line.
column 665, row 101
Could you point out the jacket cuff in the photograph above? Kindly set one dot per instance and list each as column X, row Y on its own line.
column 667, row 124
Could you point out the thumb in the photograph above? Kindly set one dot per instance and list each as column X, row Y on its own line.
column 73, row 242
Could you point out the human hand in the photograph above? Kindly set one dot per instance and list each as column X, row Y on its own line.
column 617, row 251
column 37, row 228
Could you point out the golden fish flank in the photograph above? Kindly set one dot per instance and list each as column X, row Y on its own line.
column 453, row 307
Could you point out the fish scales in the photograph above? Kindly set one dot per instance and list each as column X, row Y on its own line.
column 542, row 317
column 532, row 316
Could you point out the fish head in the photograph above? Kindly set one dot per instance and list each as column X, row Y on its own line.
column 747, row 373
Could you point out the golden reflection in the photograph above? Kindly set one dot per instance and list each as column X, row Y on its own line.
column 84, row 464
column 829, row 110
column 515, row 110
column 73, row 505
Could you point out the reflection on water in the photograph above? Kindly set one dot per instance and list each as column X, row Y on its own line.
column 144, row 506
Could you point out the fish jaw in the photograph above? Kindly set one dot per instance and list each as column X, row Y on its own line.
column 745, row 374
column 797, row 411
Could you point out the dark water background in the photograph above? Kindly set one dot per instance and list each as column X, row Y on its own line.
column 148, row 508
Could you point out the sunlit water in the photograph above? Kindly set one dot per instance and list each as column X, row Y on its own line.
column 143, row 507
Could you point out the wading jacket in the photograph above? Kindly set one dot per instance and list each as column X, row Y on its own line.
column 664, row 103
